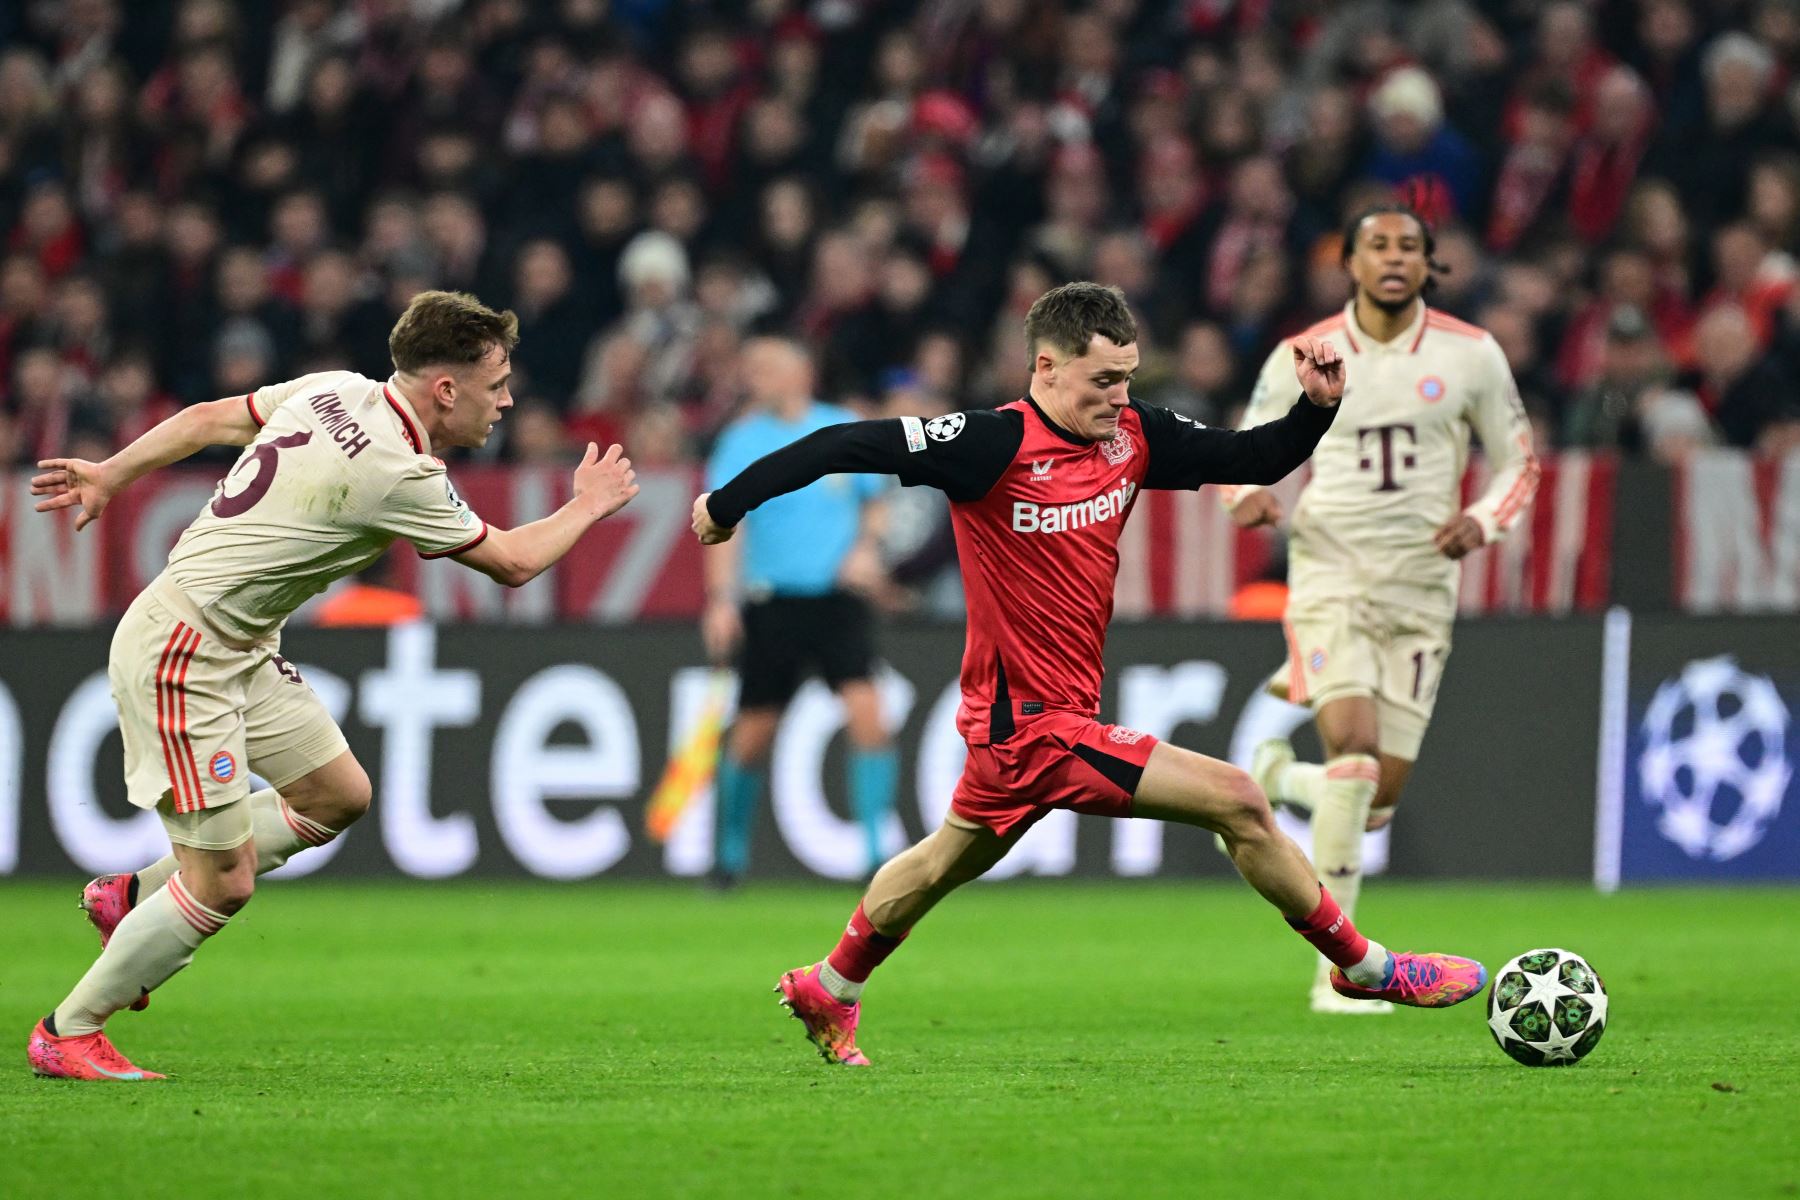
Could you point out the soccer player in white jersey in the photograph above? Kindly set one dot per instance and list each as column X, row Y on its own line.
column 335, row 468
column 1376, row 539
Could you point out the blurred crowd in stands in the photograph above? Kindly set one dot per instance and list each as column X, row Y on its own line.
column 198, row 197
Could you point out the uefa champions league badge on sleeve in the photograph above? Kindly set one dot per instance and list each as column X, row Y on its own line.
column 1707, row 789
column 945, row 428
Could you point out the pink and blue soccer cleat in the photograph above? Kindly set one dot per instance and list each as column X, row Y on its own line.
column 106, row 900
column 1420, row 980
column 830, row 1023
column 82, row 1056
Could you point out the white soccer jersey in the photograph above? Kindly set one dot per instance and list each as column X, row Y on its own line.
column 340, row 469
column 1389, row 473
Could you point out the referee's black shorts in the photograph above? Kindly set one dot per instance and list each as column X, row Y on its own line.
column 787, row 638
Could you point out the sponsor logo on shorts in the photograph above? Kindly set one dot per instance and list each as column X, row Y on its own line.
column 222, row 767
column 1124, row 736
column 915, row 434
column 1316, row 660
column 1119, row 449
column 1431, row 389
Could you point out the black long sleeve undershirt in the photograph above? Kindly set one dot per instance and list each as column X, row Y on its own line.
column 1186, row 455
column 963, row 465
column 967, row 463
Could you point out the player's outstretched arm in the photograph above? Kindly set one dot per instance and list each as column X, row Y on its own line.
column 76, row 482
column 1186, row 455
column 961, row 454
column 603, row 485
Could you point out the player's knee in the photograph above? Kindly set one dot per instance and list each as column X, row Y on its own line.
column 353, row 798
column 1242, row 807
column 227, row 891
column 1356, row 741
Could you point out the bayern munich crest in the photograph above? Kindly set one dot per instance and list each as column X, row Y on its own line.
column 1317, row 661
column 1119, row 449
column 1431, row 389
column 222, row 767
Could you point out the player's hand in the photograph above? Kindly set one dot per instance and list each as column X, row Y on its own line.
column 709, row 531
column 607, row 483
column 1459, row 535
column 1320, row 370
column 1260, row 507
column 721, row 629
column 68, row 482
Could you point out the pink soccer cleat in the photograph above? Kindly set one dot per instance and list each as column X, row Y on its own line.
column 106, row 900
column 83, row 1056
column 830, row 1023
column 1420, row 980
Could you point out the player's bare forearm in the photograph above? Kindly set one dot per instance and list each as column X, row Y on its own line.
column 514, row 557
column 90, row 486
column 193, row 429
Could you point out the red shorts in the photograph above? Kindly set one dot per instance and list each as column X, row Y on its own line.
column 1059, row 760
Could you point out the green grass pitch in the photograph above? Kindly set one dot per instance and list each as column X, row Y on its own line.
column 1038, row 1039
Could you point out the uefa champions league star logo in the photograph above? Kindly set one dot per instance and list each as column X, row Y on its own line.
column 1715, row 763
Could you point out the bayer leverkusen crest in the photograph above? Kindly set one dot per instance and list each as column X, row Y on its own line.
column 1119, row 449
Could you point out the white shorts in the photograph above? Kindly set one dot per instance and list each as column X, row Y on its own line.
column 1354, row 647
column 196, row 716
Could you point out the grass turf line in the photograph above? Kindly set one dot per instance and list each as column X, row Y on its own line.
column 1038, row 1039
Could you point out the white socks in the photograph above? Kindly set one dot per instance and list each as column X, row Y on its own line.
column 1342, row 793
column 278, row 832
column 1372, row 970
column 166, row 925
column 1299, row 785
column 844, row 991
column 156, row 939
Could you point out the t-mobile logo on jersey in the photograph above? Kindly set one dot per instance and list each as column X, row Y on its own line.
column 1386, row 436
column 1055, row 518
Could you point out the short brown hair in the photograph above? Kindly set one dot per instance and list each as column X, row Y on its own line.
column 1069, row 316
column 449, row 329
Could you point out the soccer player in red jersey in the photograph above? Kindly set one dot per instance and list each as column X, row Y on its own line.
column 1039, row 490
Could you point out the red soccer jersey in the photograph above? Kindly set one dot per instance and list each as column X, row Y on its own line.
column 1040, row 553
column 1038, row 513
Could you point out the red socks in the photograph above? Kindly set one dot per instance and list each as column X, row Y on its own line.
column 862, row 949
column 1331, row 932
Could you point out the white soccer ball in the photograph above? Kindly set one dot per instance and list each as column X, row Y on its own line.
column 1547, row 1008
column 1715, row 763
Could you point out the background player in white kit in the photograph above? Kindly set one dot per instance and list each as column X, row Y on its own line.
column 336, row 468
column 1372, row 560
